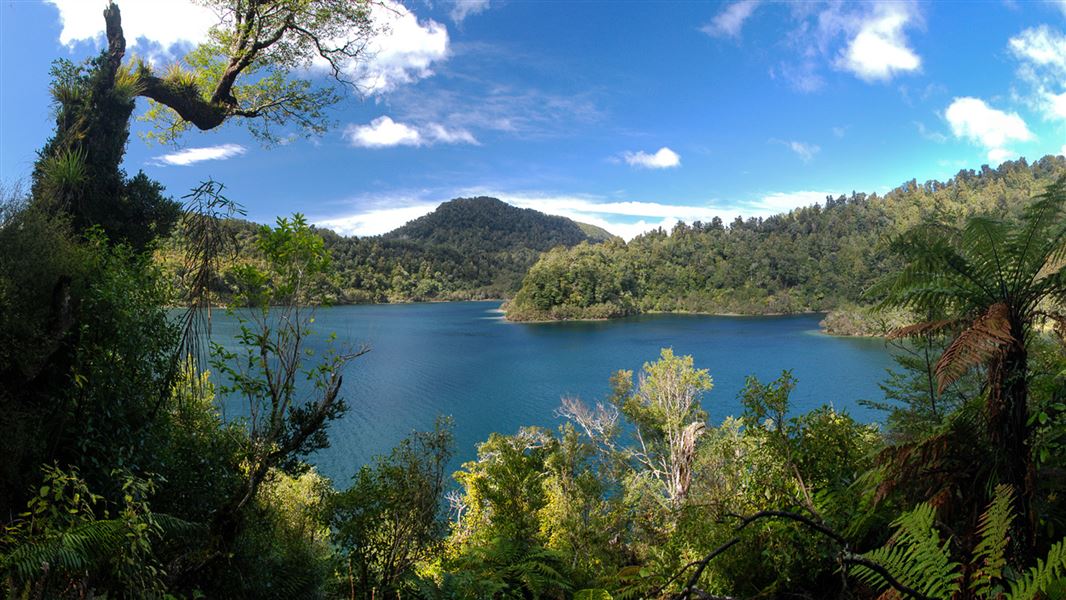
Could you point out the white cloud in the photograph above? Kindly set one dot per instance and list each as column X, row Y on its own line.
column 403, row 51
column 1062, row 150
column 464, row 8
column 189, row 156
column 1055, row 105
column 439, row 133
column 1042, row 54
column 664, row 158
column 383, row 132
column 1041, row 46
column 866, row 39
column 730, row 21
column 377, row 221
column 165, row 22
column 972, row 119
column 998, row 155
column 879, row 50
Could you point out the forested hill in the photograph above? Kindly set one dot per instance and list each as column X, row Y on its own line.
column 819, row 257
column 491, row 225
column 468, row 248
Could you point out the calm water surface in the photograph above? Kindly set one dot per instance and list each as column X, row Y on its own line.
column 462, row 359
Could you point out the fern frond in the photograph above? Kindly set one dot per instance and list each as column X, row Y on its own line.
column 920, row 329
column 915, row 556
column 1043, row 577
column 986, row 338
column 990, row 554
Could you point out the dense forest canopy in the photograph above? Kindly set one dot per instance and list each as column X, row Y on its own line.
column 812, row 258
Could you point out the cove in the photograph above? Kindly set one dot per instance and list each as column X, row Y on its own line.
column 462, row 359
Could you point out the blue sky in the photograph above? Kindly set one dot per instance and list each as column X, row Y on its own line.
column 628, row 115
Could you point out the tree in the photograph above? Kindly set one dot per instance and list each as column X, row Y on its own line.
column 995, row 280
column 390, row 518
column 286, row 419
column 667, row 420
column 246, row 68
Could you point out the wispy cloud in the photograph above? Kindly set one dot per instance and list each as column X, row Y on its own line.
column 730, row 21
column 1041, row 52
column 190, row 156
column 383, row 132
column 804, row 150
column 482, row 105
column 465, row 8
column 928, row 134
column 974, row 120
column 663, row 158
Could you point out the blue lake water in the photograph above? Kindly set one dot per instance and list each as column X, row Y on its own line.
column 462, row 359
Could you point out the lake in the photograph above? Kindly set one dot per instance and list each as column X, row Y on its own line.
column 462, row 359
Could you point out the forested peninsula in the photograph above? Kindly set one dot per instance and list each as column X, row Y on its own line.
column 817, row 258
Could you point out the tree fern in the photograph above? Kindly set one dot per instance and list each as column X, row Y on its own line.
column 915, row 556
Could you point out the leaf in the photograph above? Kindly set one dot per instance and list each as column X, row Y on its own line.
column 985, row 339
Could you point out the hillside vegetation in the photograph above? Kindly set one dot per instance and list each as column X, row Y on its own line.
column 815, row 258
column 468, row 248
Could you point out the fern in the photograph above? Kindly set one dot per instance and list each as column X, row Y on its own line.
column 990, row 554
column 915, row 556
column 1046, row 575
column 76, row 550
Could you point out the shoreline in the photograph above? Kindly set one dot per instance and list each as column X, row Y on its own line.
column 822, row 329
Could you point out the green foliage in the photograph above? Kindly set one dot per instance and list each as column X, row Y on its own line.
column 1049, row 575
column 915, row 556
column 469, row 248
column 987, row 283
column 79, row 170
column 66, row 544
column 252, row 69
column 507, row 569
column 990, row 553
column 389, row 520
column 814, row 258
